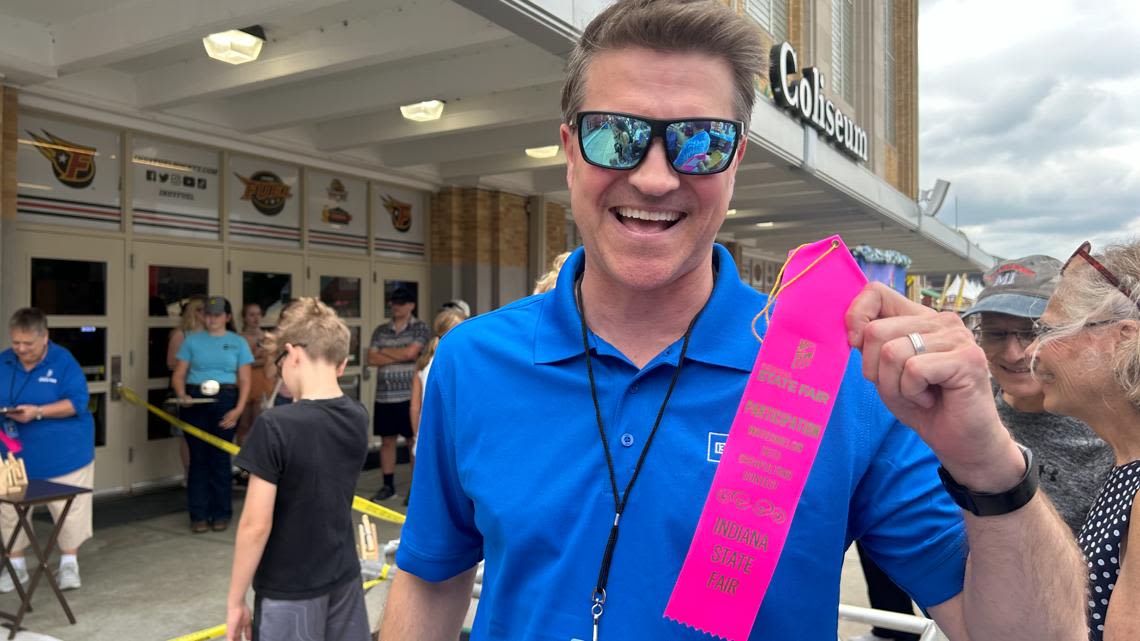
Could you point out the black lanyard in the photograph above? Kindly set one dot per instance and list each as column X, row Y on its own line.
column 599, row 597
column 12, row 383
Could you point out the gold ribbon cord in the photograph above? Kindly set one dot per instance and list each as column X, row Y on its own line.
column 779, row 287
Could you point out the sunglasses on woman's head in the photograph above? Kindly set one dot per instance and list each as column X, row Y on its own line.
column 693, row 146
column 1084, row 251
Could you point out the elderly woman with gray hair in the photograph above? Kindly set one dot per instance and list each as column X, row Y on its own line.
column 1087, row 357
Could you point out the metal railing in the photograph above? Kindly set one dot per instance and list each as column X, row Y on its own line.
column 925, row 628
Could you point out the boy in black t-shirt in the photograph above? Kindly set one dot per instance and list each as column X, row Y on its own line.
column 295, row 540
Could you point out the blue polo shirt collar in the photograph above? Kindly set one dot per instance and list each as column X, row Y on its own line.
column 722, row 335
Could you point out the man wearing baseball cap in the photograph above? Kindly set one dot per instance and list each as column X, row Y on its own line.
column 1072, row 460
column 393, row 351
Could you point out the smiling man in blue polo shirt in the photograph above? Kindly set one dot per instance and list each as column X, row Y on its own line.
column 538, row 416
column 46, row 391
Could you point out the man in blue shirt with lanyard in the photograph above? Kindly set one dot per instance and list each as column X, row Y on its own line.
column 44, row 393
column 538, row 417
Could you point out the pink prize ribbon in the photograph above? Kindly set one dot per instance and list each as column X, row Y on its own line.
column 771, row 446
column 12, row 444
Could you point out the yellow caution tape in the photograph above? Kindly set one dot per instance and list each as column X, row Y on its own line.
column 358, row 503
column 220, row 630
column 384, row 573
column 215, row 632
column 132, row 397
column 379, row 511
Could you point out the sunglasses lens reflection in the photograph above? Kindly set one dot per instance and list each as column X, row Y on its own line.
column 700, row 146
column 614, row 141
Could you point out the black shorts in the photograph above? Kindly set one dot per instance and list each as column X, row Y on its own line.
column 392, row 419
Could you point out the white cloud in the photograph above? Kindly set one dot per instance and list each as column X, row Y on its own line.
column 1031, row 109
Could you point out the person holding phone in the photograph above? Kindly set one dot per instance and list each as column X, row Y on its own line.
column 44, row 391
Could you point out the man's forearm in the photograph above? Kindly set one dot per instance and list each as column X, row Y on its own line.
column 62, row 408
column 389, row 355
column 426, row 611
column 398, row 354
column 1024, row 577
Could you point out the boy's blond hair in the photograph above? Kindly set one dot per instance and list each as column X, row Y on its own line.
column 309, row 322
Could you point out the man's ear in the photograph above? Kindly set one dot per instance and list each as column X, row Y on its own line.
column 340, row 368
column 570, row 149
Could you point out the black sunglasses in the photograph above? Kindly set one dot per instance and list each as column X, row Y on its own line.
column 693, row 146
column 283, row 354
column 1084, row 252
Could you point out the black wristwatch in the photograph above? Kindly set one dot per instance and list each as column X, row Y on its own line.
column 987, row 504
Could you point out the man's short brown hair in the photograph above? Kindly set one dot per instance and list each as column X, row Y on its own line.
column 682, row 26
column 309, row 322
column 29, row 319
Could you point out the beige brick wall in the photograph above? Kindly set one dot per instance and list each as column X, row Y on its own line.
column 900, row 161
column 510, row 237
column 477, row 226
column 445, row 208
column 555, row 233
column 8, row 135
column 906, row 96
column 481, row 236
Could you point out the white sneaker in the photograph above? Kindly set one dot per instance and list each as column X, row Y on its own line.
column 6, row 584
column 68, row 576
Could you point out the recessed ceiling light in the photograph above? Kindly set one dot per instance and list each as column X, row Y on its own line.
column 766, row 224
column 236, row 46
column 423, row 111
column 548, row 151
column 731, row 212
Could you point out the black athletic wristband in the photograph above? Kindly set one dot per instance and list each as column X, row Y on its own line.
column 994, row 504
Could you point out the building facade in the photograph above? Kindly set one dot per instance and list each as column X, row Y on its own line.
column 135, row 171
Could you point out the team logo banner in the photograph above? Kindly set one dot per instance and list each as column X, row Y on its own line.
column 176, row 189
column 398, row 221
column 68, row 173
column 72, row 163
column 263, row 202
column 337, row 207
column 771, row 446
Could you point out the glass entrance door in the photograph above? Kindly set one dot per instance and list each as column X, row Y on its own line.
column 269, row 279
column 344, row 286
column 164, row 278
column 72, row 280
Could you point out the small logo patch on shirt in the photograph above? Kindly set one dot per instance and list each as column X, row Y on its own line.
column 716, row 446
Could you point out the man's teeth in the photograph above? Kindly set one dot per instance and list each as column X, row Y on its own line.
column 667, row 216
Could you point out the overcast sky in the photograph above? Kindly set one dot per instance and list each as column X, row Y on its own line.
column 1031, row 109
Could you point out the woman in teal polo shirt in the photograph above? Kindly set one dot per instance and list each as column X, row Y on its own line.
column 45, row 393
column 220, row 356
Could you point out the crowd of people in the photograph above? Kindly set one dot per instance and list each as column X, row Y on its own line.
column 986, row 465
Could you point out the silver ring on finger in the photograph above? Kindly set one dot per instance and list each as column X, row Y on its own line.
column 917, row 342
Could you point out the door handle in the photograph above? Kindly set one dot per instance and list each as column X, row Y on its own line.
column 116, row 377
column 366, row 373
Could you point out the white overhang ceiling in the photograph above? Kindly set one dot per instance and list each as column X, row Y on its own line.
column 333, row 73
